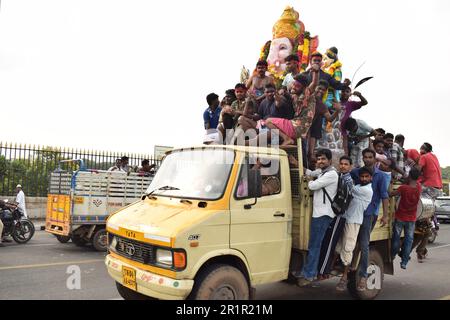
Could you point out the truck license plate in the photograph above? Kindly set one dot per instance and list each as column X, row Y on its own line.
column 129, row 278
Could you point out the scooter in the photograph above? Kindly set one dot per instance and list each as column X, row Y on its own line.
column 19, row 228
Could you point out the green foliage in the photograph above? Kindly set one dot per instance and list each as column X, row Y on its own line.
column 445, row 173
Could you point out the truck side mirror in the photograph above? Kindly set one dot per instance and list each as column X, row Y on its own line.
column 254, row 187
column 254, row 184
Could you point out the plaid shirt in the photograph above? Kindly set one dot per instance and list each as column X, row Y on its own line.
column 396, row 153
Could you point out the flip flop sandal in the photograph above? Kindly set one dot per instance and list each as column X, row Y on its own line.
column 342, row 285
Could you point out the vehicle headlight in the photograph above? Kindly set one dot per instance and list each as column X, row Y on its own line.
column 164, row 257
column 113, row 244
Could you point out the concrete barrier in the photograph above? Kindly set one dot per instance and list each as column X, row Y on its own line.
column 36, row 206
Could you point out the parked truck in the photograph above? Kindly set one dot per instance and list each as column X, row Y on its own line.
column 205, row 229
column 79, row 202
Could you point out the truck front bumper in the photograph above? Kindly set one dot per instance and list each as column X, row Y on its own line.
column 151, row 284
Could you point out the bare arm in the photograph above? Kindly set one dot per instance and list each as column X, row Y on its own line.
column 360, row 96
column 249, row 83
column 315, row 77
column 329, row 117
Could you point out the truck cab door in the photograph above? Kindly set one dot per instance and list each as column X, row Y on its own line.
column 262, row 230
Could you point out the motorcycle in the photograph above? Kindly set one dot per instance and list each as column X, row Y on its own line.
column 434, row 230
column 19, row 228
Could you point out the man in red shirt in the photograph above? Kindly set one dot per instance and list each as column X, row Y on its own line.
column 405, row 216
column 431, row 170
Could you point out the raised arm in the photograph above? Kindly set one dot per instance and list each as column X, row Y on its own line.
column 328, row 116
column 315, row 68
column 360, row 96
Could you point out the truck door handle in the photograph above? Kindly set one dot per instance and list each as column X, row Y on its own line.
column 279, row 214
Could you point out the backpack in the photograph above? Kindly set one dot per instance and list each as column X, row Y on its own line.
column 342, row 198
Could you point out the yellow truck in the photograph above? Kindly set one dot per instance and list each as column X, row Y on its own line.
column 208, row 229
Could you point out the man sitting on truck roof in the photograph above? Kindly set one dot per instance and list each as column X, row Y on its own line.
column 117, row 166
column 304, row 105
column 146, row 169
column 326, row 182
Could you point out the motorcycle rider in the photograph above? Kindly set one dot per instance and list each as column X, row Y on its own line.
column 2, row 207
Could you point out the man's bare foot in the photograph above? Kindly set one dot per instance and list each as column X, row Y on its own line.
column 288, row 142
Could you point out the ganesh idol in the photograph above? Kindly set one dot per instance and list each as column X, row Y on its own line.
column 288, row 37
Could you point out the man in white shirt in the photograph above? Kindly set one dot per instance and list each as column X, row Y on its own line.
column 20, row 199
column 362, row 196
column 326, row 179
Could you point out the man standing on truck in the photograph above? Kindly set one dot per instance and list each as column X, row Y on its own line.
column 326, row 182
column 431, row 180
column 405, row 216
column 362, row 195
column 380, row 194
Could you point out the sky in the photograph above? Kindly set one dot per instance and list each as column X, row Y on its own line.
column 128, row 75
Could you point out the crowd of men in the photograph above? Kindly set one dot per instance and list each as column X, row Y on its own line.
column 146, row 169
column 373, row 159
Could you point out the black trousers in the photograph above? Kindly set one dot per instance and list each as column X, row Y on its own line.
column 329, row 243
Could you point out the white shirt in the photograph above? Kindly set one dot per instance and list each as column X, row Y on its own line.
column 20, row 199
column 287, row 82
column 327, row 180
column 362, row 196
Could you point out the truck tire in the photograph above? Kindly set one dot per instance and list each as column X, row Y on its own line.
column 129, row 294
column 78, row 241
column 63, row 239
column 100, row 240
column 374, row 280
column 221, row 282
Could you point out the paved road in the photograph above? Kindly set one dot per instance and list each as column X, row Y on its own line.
column 38, row 270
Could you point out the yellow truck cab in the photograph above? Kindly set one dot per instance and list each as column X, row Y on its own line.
column 213, row 227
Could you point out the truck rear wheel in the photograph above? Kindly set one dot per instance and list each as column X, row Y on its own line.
column 63, row 239
column 375, row 278
column 100, row 240
column 221, row 282
column 129, row 294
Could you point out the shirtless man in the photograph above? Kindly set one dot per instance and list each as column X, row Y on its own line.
column 258, row 81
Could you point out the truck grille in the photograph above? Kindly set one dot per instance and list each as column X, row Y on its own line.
column 134, row 250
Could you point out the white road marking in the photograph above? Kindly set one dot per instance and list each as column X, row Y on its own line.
column 31, row 245
column 438, row 247
column 51, row 264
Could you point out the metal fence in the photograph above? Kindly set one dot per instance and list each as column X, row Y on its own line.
column 31, row 166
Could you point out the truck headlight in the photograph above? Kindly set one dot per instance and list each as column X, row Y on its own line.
column 164, row 257
column 113, row 244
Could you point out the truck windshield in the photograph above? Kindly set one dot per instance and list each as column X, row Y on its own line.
column 196, row 174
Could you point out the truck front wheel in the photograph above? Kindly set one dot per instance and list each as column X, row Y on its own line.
column 221, row 282
column 375, row 278
column 100, row 240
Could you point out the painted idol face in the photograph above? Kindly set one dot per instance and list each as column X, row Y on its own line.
column 280, row 48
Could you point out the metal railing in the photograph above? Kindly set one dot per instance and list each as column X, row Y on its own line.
column 31, row 166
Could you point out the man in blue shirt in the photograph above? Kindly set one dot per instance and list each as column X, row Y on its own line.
column 212, row 113
column 380, row 194
column 275, row 105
